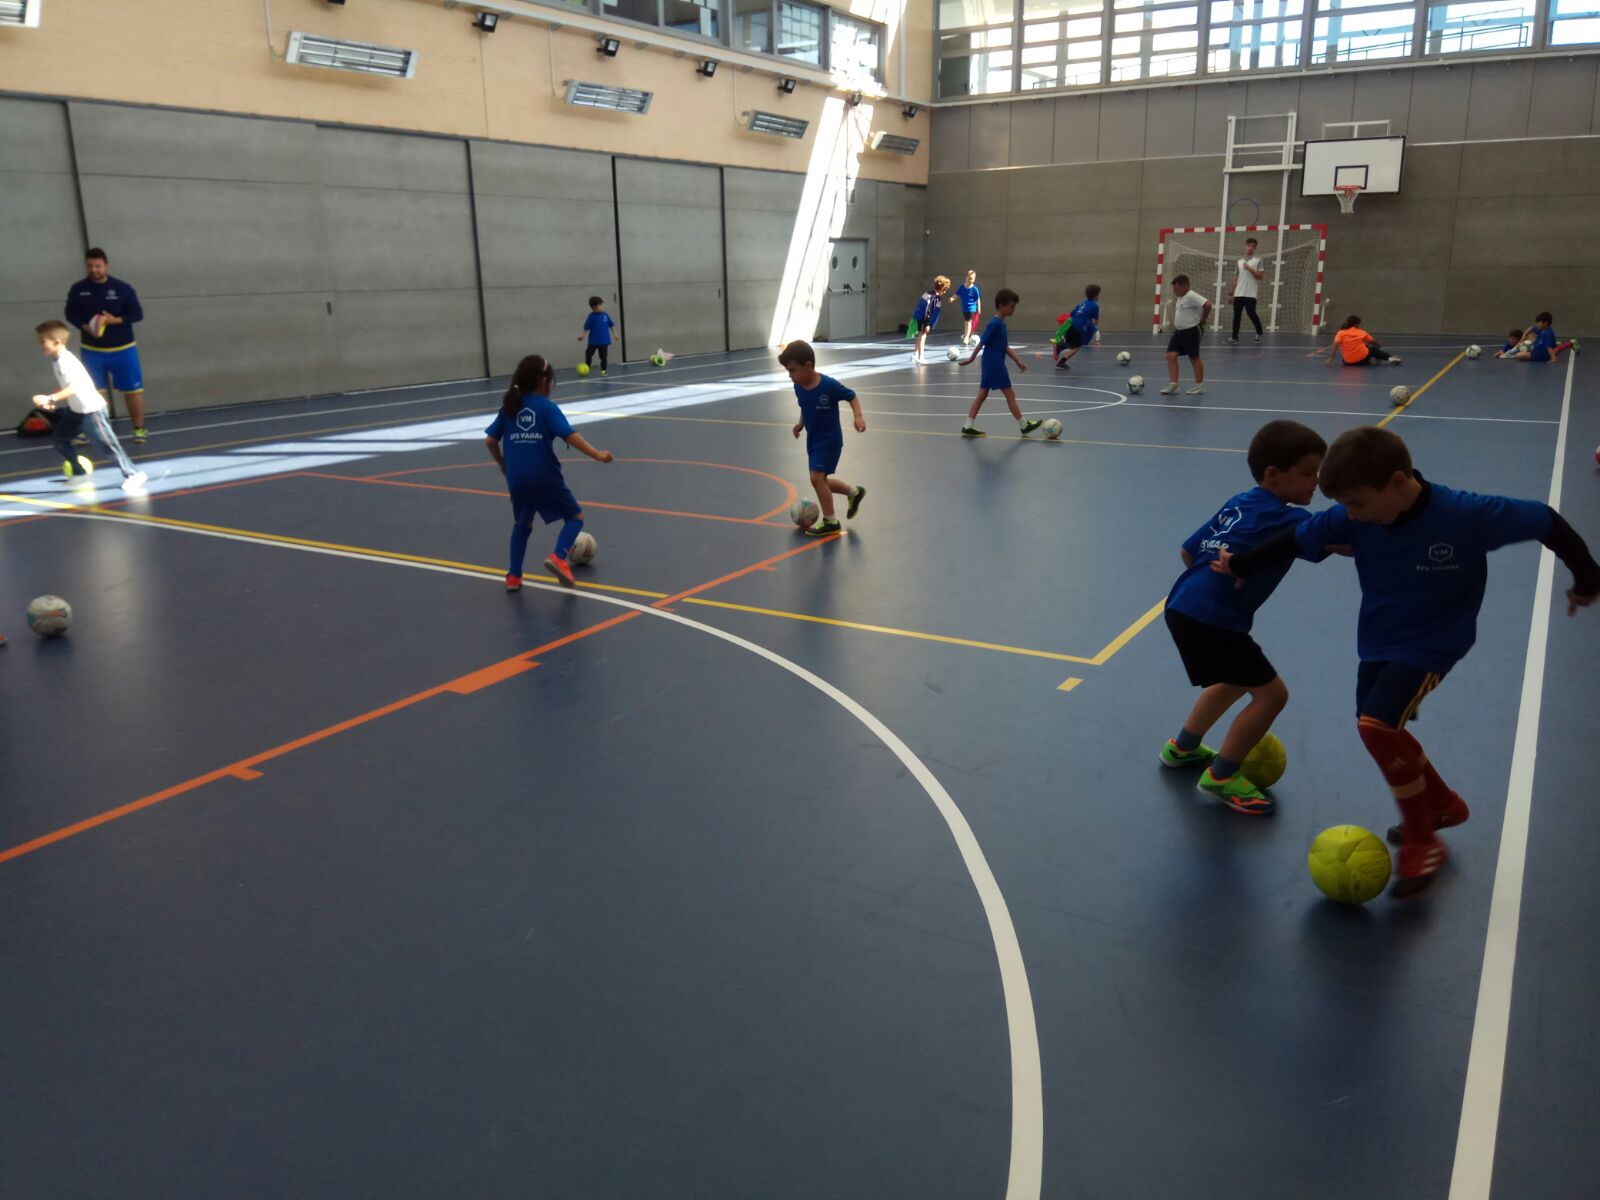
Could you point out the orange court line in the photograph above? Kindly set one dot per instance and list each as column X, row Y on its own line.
column 245, row 768
column 444, row 487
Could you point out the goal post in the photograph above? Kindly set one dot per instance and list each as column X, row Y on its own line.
column 1290, row 291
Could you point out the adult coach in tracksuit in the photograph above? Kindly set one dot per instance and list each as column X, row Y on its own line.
column 104, row 310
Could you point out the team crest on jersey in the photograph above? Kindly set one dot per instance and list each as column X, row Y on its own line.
column 526, row 420
column 1226, row 520
column 1441, row 552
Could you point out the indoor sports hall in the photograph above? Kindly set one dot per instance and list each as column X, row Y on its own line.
column 770, row 859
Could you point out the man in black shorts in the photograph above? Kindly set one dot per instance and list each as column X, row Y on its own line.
column 1190, row 311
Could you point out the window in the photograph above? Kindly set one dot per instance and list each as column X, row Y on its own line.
column 1574, row 22
column 644, row 11
column 701, row 17
column 965, row 14
column 752, row 25
column 1250, row 35
column 1362, row 30
column 1154, row 41
column 853, row 48
column 1485, row 25
column 800, row 32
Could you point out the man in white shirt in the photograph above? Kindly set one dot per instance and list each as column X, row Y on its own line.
column 1190, row 311
column 1246, row 284
column 85, row 406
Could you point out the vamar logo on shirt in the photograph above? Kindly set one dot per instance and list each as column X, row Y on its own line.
column 527, row 429
column 1440, row 558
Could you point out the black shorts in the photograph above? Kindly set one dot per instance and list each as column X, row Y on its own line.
column 1391, row 692
column 1213, row 655
column 1071, row 339
column 924, row 324
column 1185, row 341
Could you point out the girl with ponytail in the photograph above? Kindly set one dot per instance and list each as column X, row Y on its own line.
column 521, row 440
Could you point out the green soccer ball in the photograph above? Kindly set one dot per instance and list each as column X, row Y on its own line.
column 1265, row 765
column 1350, row 864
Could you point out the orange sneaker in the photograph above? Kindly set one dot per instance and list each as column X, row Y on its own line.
column 559, row 568
column 513, row 583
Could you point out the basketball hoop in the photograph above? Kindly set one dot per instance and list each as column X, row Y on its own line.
column 1347, row 196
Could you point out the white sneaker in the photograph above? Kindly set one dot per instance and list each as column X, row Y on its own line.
column 1170, row 390
column 1395, row 360
column 135, row 482
column 1198, row 389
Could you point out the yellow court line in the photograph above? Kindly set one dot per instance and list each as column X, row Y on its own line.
column 1099, row 659
column 891, row 631
column 933, row 433
column 1069, row 684
column 1412, row 399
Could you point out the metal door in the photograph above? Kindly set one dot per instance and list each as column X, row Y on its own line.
column 847, row 288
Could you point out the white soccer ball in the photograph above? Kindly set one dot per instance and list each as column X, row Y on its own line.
column 1399, row 395
column 805, row 513
column 1135, row 384
column 953, row 354
column 1474, row 351
column 1123, row 358
column 582, row 550
column 1051, row 429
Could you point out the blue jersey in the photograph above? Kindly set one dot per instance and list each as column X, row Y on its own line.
column 528, row 441
column 996, row 340
column 968, row 294
column 598, row 326
column 819, row 410
column 88, row 299
column 1084, row 317
column 1423, row 577
column 928, row 307
column 1245, row 521
column 1544, row 341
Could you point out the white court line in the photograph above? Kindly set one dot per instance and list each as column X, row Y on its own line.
column 1025, row 1179
column 1491, row 1023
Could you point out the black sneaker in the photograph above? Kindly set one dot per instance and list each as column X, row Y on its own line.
column 1235, row 341
column 826, row 527
column 1028, row 427
column 972, row 431
column 856, row 497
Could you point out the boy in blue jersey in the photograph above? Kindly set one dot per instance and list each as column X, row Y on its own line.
column 1210, row 617
column 971, row 308
column 1421, row 552
column 926, row 316
column 1512, row 345
column 522, row 442
column 995, row 346
column 1078, row 330
column 105, row 309
column 597, row 327
column 819, row 397
column 1544, row 347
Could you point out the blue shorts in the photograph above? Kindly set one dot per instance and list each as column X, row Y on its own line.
column 553, row 503
column 825, row 458
column 995, row 378
column 117, row 369
column 1390, row 692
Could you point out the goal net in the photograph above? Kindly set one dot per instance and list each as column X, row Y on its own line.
column 1289, row 296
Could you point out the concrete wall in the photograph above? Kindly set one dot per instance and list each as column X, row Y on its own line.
column 1499, row 214
column 280, row 258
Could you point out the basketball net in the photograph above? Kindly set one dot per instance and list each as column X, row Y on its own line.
column 1347, row 197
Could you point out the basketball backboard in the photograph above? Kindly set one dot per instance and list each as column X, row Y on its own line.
column 1370, row 163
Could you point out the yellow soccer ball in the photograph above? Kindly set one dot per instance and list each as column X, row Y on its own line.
column 1265, row 765
column 583, row 369
column 1350, row 864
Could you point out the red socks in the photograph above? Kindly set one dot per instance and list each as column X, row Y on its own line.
column 1417, row 787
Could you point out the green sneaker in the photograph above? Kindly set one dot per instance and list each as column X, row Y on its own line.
column 856, row 497
column 1238, row 793
column 823, row 528
column 1029, row 426
column 1200, row 756
column 972, row 431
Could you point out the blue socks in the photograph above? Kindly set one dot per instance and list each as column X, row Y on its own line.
column 519, row 546
column 569, row 534
column 1187, row 741
column 1222, row 768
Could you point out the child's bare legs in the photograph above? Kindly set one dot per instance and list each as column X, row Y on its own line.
column 826, row 487
column 922, row 340
column 1172, row 367
column 1249, row 727
column 1011, row 402
column 1199, row 365
column 972, row 413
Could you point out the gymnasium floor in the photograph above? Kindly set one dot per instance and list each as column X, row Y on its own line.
column 760, row 866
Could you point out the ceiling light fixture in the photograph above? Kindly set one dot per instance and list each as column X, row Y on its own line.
column 608, row 46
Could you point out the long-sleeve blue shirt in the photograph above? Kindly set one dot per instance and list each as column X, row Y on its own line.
column 87, row 299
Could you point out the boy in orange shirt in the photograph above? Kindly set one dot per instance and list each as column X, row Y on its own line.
column 1358, row 347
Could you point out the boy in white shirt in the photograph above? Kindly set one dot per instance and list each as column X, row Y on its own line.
column 85, row 405
column 1246, row 284
column 1190, row 310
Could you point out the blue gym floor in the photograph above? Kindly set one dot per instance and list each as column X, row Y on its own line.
column 759, row 866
